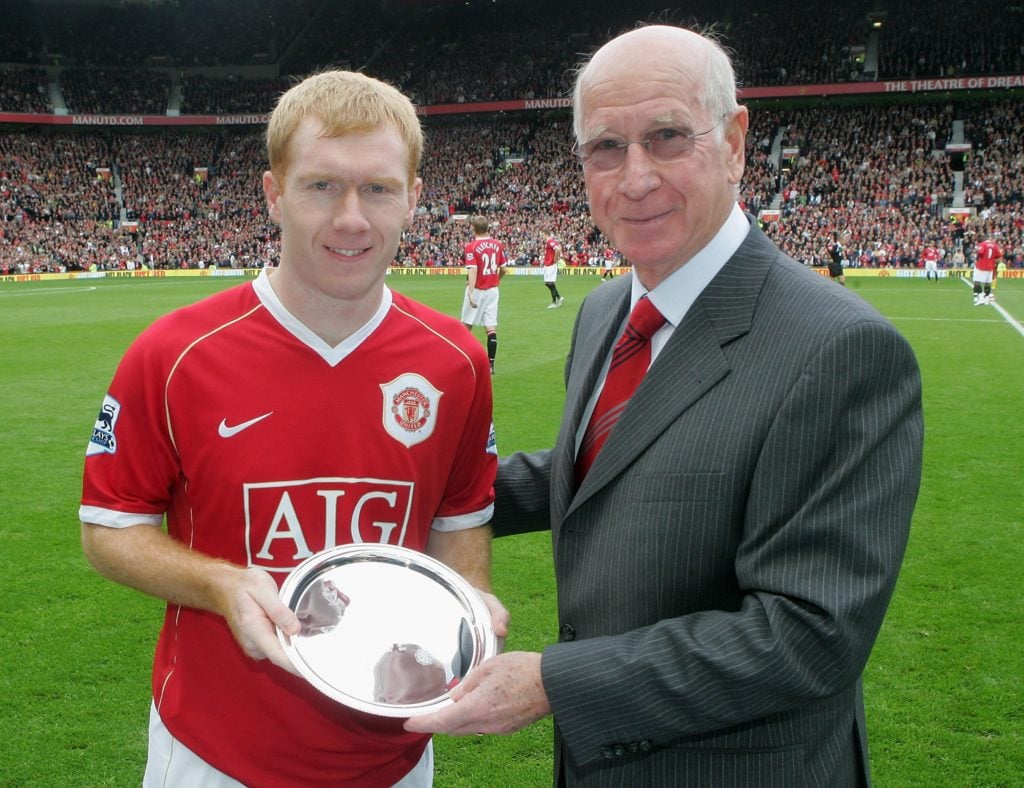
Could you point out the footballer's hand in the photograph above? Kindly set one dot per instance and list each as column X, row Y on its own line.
column 503, row 694
column 254, row 611
column 500, row 617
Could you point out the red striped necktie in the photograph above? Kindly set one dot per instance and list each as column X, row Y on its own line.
column 630, row 360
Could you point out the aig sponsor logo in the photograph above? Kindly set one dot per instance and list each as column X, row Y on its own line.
column 287, row 522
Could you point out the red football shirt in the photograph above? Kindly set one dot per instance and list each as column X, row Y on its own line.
column 988, row 253
column 550, row 251
column 487, row 256
column 262, row 445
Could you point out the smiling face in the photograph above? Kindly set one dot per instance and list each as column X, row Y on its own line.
column 658, row 214
column 342, row 204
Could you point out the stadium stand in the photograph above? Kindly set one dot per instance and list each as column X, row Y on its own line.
column 881, row 170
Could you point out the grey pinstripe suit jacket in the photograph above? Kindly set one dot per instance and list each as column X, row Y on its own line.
column 725, row 567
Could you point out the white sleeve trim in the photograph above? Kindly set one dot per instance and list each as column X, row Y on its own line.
column 115, row 519
column 461, row 522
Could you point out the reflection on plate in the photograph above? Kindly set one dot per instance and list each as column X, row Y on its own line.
column 385, row 629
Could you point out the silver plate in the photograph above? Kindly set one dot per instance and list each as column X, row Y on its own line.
column 385, row 630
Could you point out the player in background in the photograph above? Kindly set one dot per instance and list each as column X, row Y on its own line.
column 609, row 264
column 930, row 257
column 485, row 261
column 987, row 254
column 835, row 260
column 309, row 408
column 552, row 257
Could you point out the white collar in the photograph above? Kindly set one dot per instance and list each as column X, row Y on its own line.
column 674, row 296
column 298, row 329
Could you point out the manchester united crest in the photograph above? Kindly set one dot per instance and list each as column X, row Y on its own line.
column 410, row 408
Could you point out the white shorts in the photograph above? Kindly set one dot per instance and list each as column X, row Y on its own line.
column 931, row 265
column 982, row 277
column 170, row 764
column 486, row 311
column 550, row 273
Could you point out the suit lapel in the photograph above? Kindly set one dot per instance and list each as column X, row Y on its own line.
column 691, row 364
column 592, row 352
column 599, row 323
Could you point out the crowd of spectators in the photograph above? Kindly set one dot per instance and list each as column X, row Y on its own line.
column 110, row 91
column 43, row 181
column 879, row 177
column 182, row 33
column 876, row 177
column 922, row 39
column 996, row 174
column 771, row 50
column 77, row 201
column 23, row 89
column 470, row 52
column 230, row 95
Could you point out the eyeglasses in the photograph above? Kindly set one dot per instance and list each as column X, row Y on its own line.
column 662, row 145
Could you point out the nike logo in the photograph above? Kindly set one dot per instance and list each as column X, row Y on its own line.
column 229, row 432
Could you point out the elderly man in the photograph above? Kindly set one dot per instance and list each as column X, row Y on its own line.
column 731, row 489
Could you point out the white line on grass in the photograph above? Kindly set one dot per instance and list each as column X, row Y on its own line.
column 950, row 319
column 137, row 283
column 1006, row 315
column 1009, row 318
column 47, row 291
column 173, row 282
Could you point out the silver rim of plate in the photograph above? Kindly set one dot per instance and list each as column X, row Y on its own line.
column 385, row 630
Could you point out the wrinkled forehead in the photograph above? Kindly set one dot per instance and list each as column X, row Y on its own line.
column 657, row 71
column 640, row 103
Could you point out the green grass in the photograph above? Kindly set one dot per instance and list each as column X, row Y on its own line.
column 943, row 685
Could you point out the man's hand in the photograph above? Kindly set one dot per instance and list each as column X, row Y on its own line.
column 500, row 617
column 253, row 611
column 147, row 559
column 502, row 695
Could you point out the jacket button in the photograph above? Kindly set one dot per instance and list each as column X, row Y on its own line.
column 646, row 745
column 566, row 632
column 607, row 752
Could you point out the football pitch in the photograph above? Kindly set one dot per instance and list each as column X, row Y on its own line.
column 942, row 688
